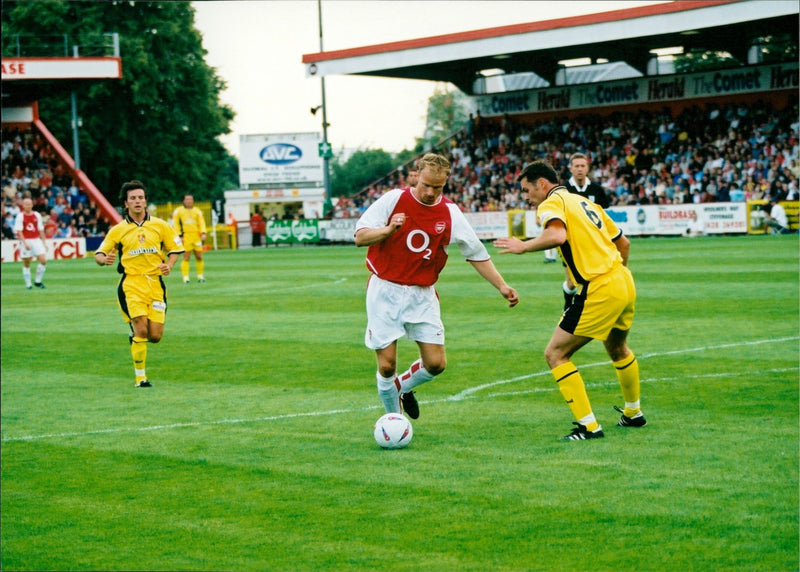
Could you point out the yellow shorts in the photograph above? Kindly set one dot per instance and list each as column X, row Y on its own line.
column 192, row 242
column 142, row 296
column 605, row 303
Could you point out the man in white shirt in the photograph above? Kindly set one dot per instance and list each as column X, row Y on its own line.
column 776, row 222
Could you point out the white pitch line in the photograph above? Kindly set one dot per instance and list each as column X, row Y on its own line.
column 648, row 380
column 186, row 424
column 466, row 394
column 477, row 388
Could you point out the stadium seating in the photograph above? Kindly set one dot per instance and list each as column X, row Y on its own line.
column 719, row 153
column 30, row 168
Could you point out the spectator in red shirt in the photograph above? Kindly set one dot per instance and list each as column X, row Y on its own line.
column 257, row 226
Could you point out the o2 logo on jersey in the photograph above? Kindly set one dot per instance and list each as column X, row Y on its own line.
column 413, row 237
column 280, row 154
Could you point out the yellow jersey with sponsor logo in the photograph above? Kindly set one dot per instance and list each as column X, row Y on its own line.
column 141, row 247
column 589, row 250
column 189, row 222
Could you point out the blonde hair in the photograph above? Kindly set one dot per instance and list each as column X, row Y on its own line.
column 434, row 162
column 577, row 156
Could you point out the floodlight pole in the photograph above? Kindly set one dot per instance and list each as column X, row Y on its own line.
column 76, row 146
column 327, row 205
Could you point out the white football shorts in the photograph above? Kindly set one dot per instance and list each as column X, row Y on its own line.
column 35, row 248
column 394, row 311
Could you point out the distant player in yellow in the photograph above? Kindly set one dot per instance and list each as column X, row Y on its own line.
column 191, row 226
column 596, row 255
column 138, row 241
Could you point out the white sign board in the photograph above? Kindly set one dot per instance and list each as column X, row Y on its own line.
column 280, row 159
column 61, row 68
column 665, row 220
column 57, row 249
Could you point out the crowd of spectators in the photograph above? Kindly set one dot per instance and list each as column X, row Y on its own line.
column 719, row 153
column 31, row 169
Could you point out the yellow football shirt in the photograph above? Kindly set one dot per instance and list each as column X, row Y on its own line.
column 589, row 250
column 140, row 247
column 189, row 222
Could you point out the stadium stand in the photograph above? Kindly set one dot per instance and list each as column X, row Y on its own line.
column 658, row 131
column 30, row 168
column 718, row 153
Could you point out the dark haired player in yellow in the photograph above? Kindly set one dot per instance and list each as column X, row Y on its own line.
column 596, row 255
column 139, row 241
column 191, row 227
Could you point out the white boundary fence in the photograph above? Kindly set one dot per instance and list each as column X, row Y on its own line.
column 645, row 220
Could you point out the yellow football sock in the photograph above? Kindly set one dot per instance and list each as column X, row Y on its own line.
column 199, row 266
column 185, row 269
column 139, row 354
column 628, row 376
column 570, row 384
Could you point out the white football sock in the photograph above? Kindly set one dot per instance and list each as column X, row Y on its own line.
column 26, row 275
column 40, row 273
column 389, row 392
column 414, row 376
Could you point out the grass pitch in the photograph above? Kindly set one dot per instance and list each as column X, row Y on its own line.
column 254, row 450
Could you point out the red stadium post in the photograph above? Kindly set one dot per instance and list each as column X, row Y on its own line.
column 105, row 208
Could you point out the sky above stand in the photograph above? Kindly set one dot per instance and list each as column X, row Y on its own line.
column 257, row 47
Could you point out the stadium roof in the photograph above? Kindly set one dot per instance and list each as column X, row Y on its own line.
column 626, row 35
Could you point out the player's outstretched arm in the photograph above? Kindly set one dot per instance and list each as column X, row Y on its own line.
column 486, row 268
column 554, row 234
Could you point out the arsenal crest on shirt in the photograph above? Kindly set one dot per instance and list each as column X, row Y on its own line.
column 440, row 227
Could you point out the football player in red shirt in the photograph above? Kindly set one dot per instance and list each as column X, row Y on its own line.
column 29, row 229
column 408, row 232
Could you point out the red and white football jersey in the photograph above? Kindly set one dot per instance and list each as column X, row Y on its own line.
column 29, row 224
column 417, row 252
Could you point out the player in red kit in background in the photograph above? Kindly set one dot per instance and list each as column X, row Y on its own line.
column 408, row 232
column 29, row 229
column 413, row 175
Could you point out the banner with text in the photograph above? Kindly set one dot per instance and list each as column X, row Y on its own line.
column 670, row 220
column 57, row 249
column 644, row 220
column 280, row 159
column 751, row 79
column 292, row 231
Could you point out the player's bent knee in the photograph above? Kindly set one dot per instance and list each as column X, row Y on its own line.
column 436, row 368
column 387, row 370
column 618, row 353
column 553, row 357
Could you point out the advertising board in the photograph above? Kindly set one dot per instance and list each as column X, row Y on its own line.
column 280, row 159
column 57, row 249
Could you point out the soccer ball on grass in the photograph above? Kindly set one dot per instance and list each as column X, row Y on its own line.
column 393, row 431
